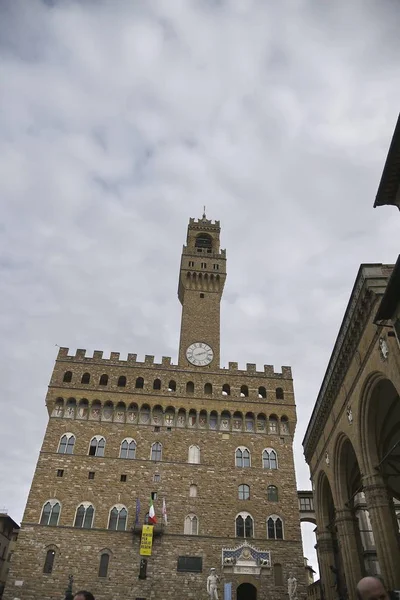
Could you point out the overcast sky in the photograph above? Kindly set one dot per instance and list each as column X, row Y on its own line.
column 120, row 119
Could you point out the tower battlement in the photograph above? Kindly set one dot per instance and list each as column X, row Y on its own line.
column 203, row 223
column 166, row 362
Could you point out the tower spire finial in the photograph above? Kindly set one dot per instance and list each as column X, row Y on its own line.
column 204, row 212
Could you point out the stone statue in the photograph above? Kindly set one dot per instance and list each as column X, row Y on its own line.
column 350, row 415
column 383, row 348
column 212, row 582
column 327, row 458
column 292, row 587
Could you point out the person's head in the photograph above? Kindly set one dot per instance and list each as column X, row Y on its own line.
column 83, row 595
column 371, row 588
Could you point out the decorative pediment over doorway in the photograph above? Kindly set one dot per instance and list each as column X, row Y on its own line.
column 245, row 559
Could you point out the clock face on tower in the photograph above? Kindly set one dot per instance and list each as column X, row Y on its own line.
column 199, row 354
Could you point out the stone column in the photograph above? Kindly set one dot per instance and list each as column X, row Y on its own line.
column 349, row 548
column 384, row 527
column 326, row 559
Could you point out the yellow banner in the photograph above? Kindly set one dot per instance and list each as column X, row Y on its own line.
column 146, row 542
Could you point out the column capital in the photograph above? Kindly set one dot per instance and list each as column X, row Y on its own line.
column 375, row 491
column 343, row 515
column 324, row 542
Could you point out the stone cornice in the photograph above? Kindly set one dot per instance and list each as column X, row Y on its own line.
column 370, row 284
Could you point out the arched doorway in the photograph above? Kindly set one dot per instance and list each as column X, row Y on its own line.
column 351, row 496
column 246, row 591
column 329, row 554
column 380, row 429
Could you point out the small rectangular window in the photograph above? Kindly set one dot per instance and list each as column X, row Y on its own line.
column 201, row 295
column 91, row 475
column 169, row 428
column 60, row 472
column 154, row 495
column 190, row 564
column 157, row 477
column 156, row 428
column 123, row 478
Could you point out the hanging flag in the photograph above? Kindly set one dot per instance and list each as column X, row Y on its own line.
column 152, row 514
column 164, row 511
column 137, row 511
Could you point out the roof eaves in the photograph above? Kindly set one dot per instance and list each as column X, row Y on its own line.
column 390, row 180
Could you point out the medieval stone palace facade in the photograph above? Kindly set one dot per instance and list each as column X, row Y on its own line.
column 211, row 445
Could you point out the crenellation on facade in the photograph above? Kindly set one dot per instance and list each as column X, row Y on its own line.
column 114, row 359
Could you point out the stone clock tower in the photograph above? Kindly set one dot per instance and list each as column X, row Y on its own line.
column 201, row 283
column 210, row 446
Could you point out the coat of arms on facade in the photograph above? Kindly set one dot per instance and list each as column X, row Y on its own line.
column 245, row 559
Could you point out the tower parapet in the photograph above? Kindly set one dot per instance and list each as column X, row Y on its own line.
column 114, row 359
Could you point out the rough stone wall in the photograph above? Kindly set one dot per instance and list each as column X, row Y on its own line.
column 78, row 553
column 216, row 477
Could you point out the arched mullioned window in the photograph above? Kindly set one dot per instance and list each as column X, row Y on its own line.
column 244, row 491
column 272, row 493
column 103, row 379
column 194, row 455
column 262, row 392
column 139, row 383
column 172, row 386
column 97, row 445
column 244, row 391
column 156, row 451
column 128, row 448
column 67, row 443
column 226, row 389
column 50, row 513
column 104, row 562
column 242, row 457
column 49, row 561
column 121, row 381
column 274, row 528
column 118, row 518
column 208, row 389
column 85, row 378
column 269, row 459
column 157, row 384
column 84, row 515
column 244, row 525
column 67, row 377
column 191, row 525
column 279, row 393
